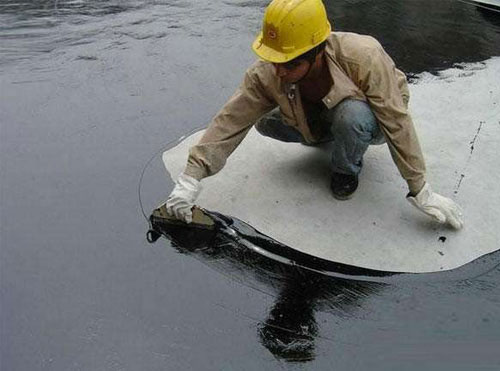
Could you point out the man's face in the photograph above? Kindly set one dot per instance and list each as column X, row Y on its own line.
column 293, row 71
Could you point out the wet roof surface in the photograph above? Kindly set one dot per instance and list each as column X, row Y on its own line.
column 90, row 90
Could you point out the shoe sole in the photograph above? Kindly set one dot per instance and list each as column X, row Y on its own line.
column 343, row 198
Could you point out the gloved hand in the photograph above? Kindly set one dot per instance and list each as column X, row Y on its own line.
column 182, row 198
column 441, row 209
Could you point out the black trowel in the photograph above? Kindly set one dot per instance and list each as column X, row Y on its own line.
column 162, row 223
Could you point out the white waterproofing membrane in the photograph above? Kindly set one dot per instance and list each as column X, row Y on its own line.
column 282, row 189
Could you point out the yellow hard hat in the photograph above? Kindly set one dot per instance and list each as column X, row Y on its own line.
column 291, row 28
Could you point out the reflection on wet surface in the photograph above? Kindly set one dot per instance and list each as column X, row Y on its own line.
column 290, row 330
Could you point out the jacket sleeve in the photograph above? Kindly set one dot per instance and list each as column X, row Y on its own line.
column 379, row 80
column 229, row 127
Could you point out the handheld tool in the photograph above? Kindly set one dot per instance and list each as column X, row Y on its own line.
column 160, row 220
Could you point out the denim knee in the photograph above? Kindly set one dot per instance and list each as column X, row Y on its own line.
column 271, row 125
column 354, row 118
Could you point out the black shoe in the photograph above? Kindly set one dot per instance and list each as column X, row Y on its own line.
column 343, row 185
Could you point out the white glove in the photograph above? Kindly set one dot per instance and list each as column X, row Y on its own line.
column 441, row 209
column 181, row 200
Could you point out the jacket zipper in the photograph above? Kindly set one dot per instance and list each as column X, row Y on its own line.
column 291, row 97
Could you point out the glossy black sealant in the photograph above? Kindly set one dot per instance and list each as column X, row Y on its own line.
column 90, row 90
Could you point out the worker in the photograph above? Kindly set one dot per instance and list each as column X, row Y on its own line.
column 311, row 85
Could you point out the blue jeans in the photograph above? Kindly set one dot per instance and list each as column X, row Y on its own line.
column 351, row 126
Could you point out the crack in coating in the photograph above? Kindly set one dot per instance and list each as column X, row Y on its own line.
column 472, row 146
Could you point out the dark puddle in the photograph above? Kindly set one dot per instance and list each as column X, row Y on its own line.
column 424, row 35
column 303, row 285
column 290, row 329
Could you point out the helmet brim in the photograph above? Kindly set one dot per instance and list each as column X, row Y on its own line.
column 269, row 54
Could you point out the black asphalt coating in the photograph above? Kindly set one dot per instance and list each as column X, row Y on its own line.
column 90, row 90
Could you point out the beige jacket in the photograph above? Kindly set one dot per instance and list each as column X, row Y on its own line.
column 360, row 69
